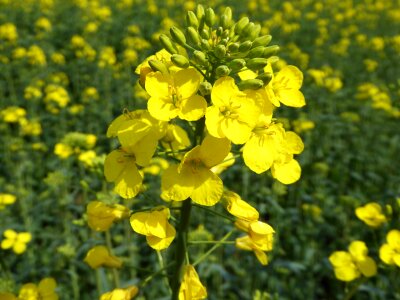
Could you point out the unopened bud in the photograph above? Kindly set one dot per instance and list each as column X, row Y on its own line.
column 245, row 46
column 255, row 32
column 168, row 44
column 193, row 35
column 219, row 31
column 241, row 24
column 200, row 57
column 256, row 63
column 210, row 17
column 200, row 12
column 180, row 61
column 233, row 47
column 205, row 34
column 205, row 45
column 222, row 71
column 191, row 19
column 237, row 64
column 256, row 52
column 220, row 51
column 205, row 88
column 270, row 50
column 247, row 30
column 250, row 84
column 265, row 77
column 177, row 35
column 273, row 59
column 262, row 40
column 157, row 65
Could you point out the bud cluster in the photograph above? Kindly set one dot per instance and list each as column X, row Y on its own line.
column 218, row 46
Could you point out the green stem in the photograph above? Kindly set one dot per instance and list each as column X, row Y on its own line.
column 150, row 277
column 181, row 248
column 354, row 289
column 212, row 242
column 215, row 213
column 162, row 267
column 221, row 242
column 114, row 270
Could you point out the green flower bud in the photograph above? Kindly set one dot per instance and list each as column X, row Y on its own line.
column 177, row 35
column 256, row 63
column 180, row 61
column 237, row 64
column 205, row 34
column 210, row 17
column 168, row 44
column 245, row 46
column 200, row 12
column 200, row 57
column 219, row 31
column 270, row 50
column 273, row 59
column 247, row 30
column 241, row 24
column 234, row 47
column 228, row 13
column 224, row 42
column 262, row 40
column 256, row 52
column 222, row 71
column 205, row 45
column 220, row 51
column 205, row 88
column 191, row 20
column 225, row 34
column 157, row 65
column 255, row 32
column 193, row 36
column 265, row 77
column 250, row 84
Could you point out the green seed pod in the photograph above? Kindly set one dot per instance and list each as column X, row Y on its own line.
column 191, row 20
column 210, row 17
column 200, row 57
column 262, row 40
column 245, row 46
column 205, row 34
column 234, row 47
column 220, row 51
column 180, row 61
column 205, row 88
column 193, row 36
column 222, row 71
column 157, row 65
column 250, row 84
column 256, row 52
column 256, row 63
column 168, row 44
column 265, row 77
column 255, row 32
column 205, row 45
column 237, row 64
column 177, row 35
column 270, row 50
column 241, row 24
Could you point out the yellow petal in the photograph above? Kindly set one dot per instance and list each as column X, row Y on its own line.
column 393, row 238
column 208, row 189
column 290, row 77
column 47, row 286
column 247, row 74
column 293, row 98
column 128, row 184
column 131, row 132
column 259, row 153
column 340, row 258
column 10, row 234
column 261, row 256
column 386, row 254
column 358, row 250
column 213, row 121
column 294, row 144
column 214, row 150
column 187, row 82
column 367, row 267
column 162, row 108
column 287, row 173
column 176, row 186
column 24, row 237
column 144, row 149
column 157, row 85
column 7, row 244
column 223, row 90
column 162, row 243
column 236, row 131
column 19, row 247
column 192, row 108
column 347, row 273
column 114, row 164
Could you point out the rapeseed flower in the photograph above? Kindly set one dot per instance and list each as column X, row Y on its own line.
column 389, row 252
column 100, row 256
column 45, row 290
column 102, row 216
column 121, row 294
column 15, row 240
column 6, row 199
column 371, row 214
column 191, row 288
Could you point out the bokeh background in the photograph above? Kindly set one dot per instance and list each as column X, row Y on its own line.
column 67, row 69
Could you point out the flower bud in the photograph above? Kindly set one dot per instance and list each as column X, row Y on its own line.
column 210, row 17
column 265, row 77
column 247, row 30
column 205, row 88
column 200, row 57
column 255, row 32
column 193, row 36
column 205, row 34
column 177, row 35
column 256, row 63
column 157, row 65
column 200, row 12
column 250, row 84
column 205, row 45
column 180, row 61
column 256, row 52
column 245, row 46
column 220, row 51
column 191, row 20
column 241, row 24
column 262, row 40
column 270, row 50
column 168, row 44
column 219, row 31
column 222, row 71
column 233, row 47
column 273, row 59
column 237, row 64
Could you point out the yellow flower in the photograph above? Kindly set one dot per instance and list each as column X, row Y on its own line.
column 154, row 225
column 99, row 256
column 193, row 177
column 87, row 158
column 351, row 265
column 175, row 138
column 239, row 208
column 389, row 252
column 102, row 216
column 13, row 114
column 8, row 32
column 157, row 166
column 62, row 150
column 16, row 241
column 121, row 294
column 6, row 199
column 233, row 115
column 45, row 290
column 371, row 214
column 191, row 287
column 174, row 95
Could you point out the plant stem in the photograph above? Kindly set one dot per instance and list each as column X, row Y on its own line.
column 114, row 271
column 354, row 289
column 181, row 248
